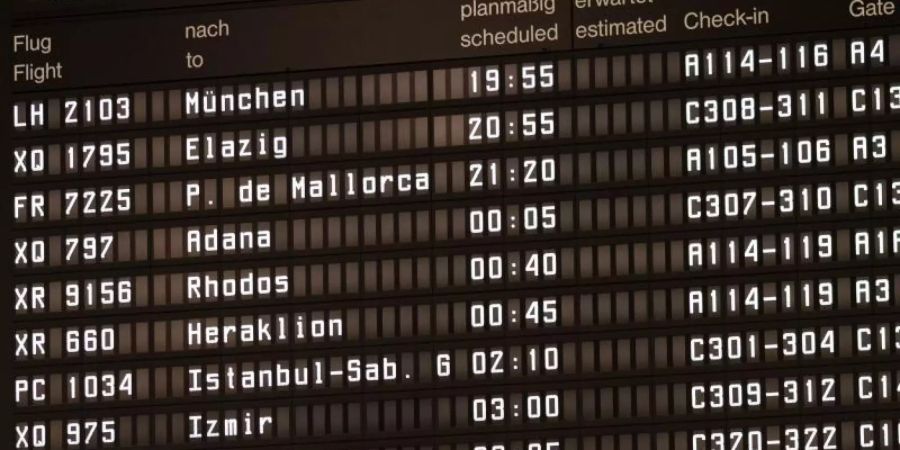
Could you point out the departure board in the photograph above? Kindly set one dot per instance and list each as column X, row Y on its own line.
column 451, row 224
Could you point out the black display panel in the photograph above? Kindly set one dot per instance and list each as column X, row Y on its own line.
column 451, row 225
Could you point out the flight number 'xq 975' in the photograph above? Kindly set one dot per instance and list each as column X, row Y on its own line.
column 87, row 432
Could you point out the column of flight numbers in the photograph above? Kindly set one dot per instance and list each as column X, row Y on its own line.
column 508, row 189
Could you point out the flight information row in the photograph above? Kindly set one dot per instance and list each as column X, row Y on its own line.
column 440, row 415
column 441, row 224
column 657, row 117
column 297, row 333
column 861, row 189
column 614, row 71
column 535, row 364
column 775, row 298
column 649, row 116
column 250, row 148
column 880, row 431
column 809, row 245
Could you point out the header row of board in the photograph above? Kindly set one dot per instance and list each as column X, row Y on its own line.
column 195, row 43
